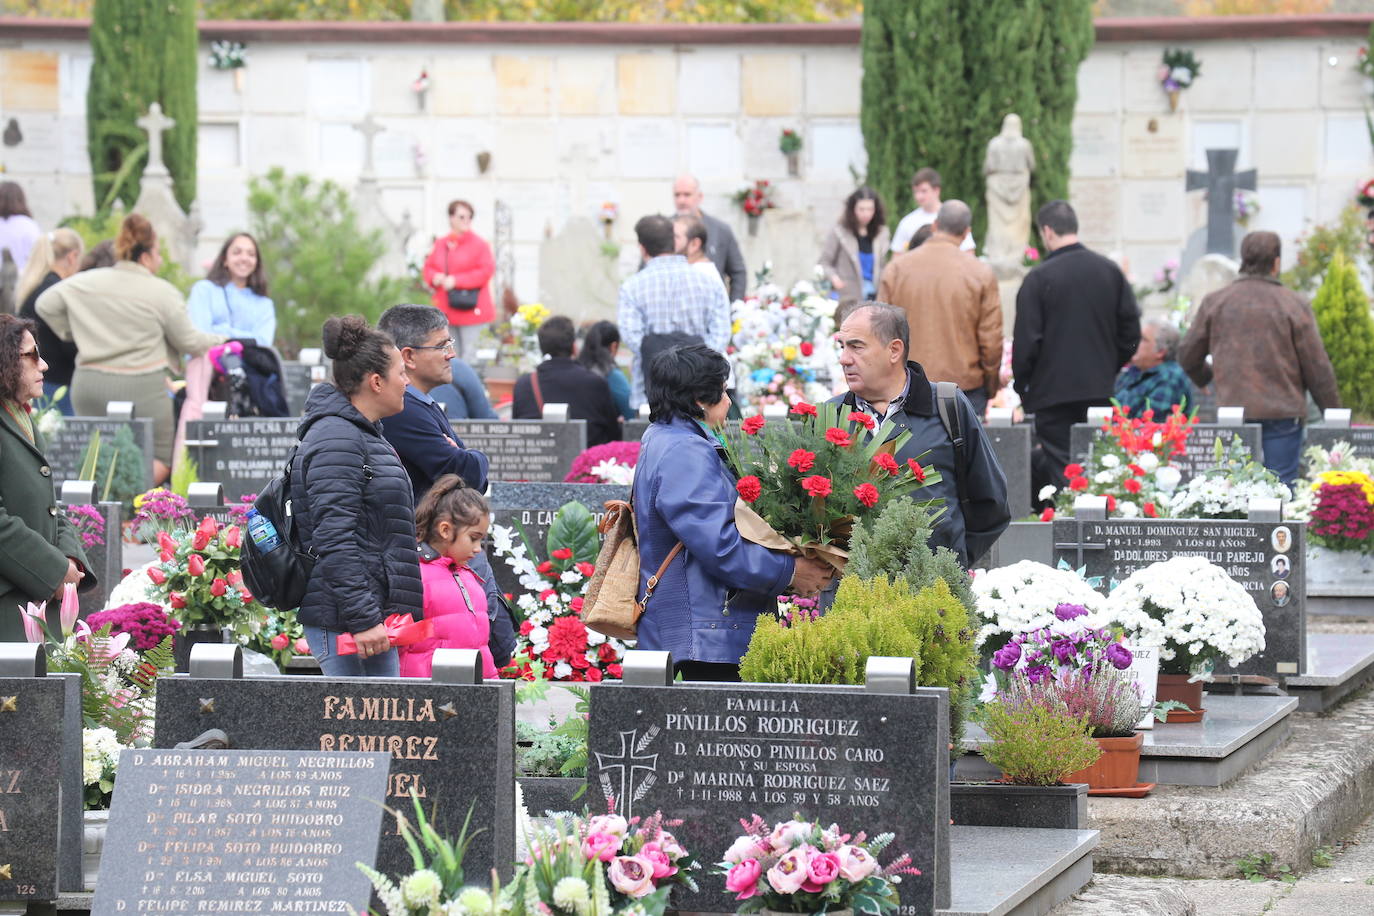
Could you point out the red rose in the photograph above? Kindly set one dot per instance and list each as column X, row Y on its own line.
column 280, row 641
column 201, row 540
column 576, row 604
column 606, row 652
column 235, row 578
column 219, row 587
column 1111, row 503
column 802, row 460
column 157, row 575
column 177, row 600
column 1073, row 470
column 195, row 565
column 233, row 536
column 1131, row 485
column 749, row 488
column 807, row 348
column 166, row 556
column 594, row 674
column 862, row 419
column 803, row 408
column 245, row 595
column 209, row 526
column 563, row 553
column 1047, row 515
column 1150, row 511
column 916, row 469
column 302, row 647
column 1078, row 483
column 867, row 494
column 546, row 594
column 546, row 568
column 836, row 436
column 525, row 627
column 817, row 486
column 586, row 569
column 752, row 425
column 886, row 462
column 165, row 541
column 614, row 669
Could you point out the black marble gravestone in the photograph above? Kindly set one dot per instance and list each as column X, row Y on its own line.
column 202, row 831
column 1266, row 558
column 241, row 455
column 535, row 450
column 712, row 755
column 66, row 449
column 1361, row 437
column 1199, row 452
column 1012, row 446
column 35, row 823
column 452, row 744
column 529, row 508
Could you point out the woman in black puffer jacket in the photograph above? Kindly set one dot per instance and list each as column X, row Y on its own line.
column 354, row 506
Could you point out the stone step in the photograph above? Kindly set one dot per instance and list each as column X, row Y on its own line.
column 1113, row 895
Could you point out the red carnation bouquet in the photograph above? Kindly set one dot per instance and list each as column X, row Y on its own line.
column 803, row 485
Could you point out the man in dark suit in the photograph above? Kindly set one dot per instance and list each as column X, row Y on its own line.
column 561, row 380
column 1077, row 324
column 721, row 246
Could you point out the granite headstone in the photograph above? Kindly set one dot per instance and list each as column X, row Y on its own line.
column 202, row 831
column 525, row 449
column 1266, row 558
column 299, row 378
column 35, row 715
column 66, row 448
column 242, row 455
column 1012, row 446
column 452, row 744
column 529, row 508
column 1361, row 437
column 712, row 755
column 1199, row 452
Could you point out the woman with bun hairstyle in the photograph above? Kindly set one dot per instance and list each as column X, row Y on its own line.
column 451, row 523
column 130, row 328
column 353, row 502
column 55, row 257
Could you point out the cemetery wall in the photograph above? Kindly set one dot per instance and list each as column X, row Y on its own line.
column 573, row 115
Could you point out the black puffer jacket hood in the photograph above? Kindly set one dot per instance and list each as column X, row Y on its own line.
column 354, row 506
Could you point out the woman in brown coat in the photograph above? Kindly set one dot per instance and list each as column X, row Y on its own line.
column 855, row 250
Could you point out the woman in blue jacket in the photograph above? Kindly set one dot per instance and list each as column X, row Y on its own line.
column 705, row 605
column 232, row 299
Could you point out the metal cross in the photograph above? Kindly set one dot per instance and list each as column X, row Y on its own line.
column 155, row 123
column 626, row 762
column 1221, row 181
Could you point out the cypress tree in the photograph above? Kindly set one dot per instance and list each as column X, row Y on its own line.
column 913, row 94
column 1347, row 330
column 1064, row 43
column 141, row 53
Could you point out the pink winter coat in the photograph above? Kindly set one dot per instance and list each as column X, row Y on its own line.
column 455, row 627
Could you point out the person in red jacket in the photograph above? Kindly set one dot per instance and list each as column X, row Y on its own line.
column 450, row 524
column 459, row 270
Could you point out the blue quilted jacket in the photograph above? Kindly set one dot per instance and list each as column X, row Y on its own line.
column 684, row 491
column 353, row 502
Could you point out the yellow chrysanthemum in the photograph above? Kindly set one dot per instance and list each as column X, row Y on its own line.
column 1345, row 478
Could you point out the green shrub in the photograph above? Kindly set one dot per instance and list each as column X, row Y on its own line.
column 543, row 753
column 1342, row 311
column 1319, row 247
column 130, row 477
column 317, row 257
column 1035, row 742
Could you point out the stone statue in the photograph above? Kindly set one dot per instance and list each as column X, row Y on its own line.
column 1008, row 166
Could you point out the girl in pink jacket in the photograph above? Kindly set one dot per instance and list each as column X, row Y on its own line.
column 450, row 524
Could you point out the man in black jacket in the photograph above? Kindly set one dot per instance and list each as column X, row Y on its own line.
column 561, row 380
column 1077, row 324
column 887, row 386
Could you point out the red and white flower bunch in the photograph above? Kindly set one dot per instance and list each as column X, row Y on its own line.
column 781, row 345
column 197, row 577
column 551, row 599
column 640, row 857
column 801, row 867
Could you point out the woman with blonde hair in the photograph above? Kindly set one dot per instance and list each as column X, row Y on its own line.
column 54, row 257
column 130, row 328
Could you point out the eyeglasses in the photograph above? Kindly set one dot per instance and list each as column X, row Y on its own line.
column 32, row 356
column 446, row 345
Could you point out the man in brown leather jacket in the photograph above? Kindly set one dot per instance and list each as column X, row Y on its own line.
column 1266, row 353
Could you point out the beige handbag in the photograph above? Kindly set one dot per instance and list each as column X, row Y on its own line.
column 611, row 605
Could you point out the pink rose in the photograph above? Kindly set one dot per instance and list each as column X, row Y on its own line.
column 302, row 647
column 746, row 847
column 821, row 870
column 788, row 834
column 663, row 865
column 787, row 876
column 855, row 863
column 633, row 876
column 613, row 824
column 280, row 641
column 601, row 846
column 743, row 879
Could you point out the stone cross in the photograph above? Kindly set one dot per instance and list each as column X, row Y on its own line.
column 627, row 763
column 1221, row 181
column 155, row 123
column 369, row 128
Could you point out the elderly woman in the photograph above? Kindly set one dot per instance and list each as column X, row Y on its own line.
column 709, row 596
column 40, row 551
column 130, row 327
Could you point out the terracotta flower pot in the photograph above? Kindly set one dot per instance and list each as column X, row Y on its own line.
column 1176, row 687
column 1117, row 768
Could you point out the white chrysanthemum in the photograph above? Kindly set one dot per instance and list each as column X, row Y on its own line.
column 1147, row 461
column 1023, row 596
column 1103, row 477
column 135, row 588
column 572, row 893
column 1046, row 492
column 1167, row 478
column 1127, row 509
column 594, row 638
column 473, row 901
column 421, row 888
column 571, row 577
column 99, row 751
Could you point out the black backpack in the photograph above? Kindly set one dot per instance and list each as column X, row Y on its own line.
column 278, row 579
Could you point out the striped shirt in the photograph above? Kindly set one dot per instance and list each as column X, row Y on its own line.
column 670, row 295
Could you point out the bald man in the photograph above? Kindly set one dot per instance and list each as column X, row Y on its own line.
column 721, row 246
column 953, row 306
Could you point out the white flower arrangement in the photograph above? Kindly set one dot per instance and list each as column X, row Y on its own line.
column 781, row 345
column 1341, row 456
column 612, row 471
column 136, row 588
column 99, row 757
column 1225, row 489
column 1021, row 597
column 1191, row 609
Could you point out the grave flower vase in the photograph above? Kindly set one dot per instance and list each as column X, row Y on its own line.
column 794, row 165
column 190, row 636
column 1176, row 687
column 1117, row 768
column 94, row 824
column 1345, row 569
column 754, row 219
